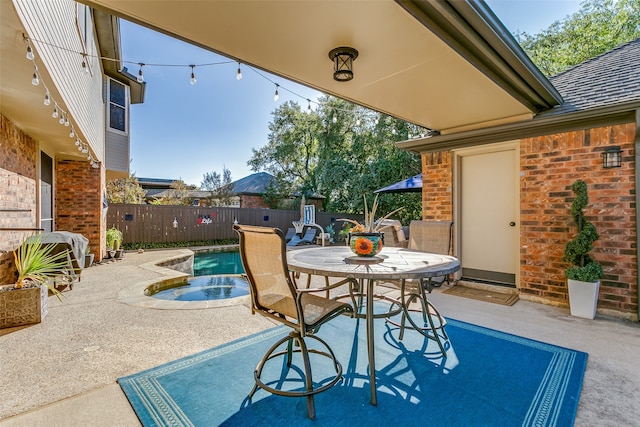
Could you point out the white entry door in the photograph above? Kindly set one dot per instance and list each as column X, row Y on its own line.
column 488, row 214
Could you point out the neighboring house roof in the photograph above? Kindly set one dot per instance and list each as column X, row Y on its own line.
column 155, row 182
column 608, row 79
column 601, row 91
column 256, row 183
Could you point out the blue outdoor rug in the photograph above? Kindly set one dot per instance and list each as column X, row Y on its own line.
column 488, row 378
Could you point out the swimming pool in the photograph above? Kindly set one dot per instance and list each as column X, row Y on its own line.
column 217, row 275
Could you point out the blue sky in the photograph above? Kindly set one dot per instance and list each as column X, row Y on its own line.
column 183, row 131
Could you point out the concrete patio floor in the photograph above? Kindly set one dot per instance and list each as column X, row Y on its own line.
column 63, row 371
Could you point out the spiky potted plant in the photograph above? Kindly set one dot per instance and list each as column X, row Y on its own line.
column 365, row 239
column 585, row 273
column 113, row 241
column 26, row 300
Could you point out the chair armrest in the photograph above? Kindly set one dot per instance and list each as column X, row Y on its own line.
column 328, row 287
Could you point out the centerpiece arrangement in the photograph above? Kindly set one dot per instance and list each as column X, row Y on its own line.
column 364, row 239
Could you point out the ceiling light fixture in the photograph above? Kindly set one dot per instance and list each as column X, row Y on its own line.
column 343, row 58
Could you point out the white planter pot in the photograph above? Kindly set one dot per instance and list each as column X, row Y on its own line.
column 583, row 298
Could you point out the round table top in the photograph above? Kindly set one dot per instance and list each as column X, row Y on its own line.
column 391, row 263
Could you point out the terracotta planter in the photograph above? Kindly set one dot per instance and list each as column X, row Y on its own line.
column 583, row 298
column 365, row 244
column 23, row 306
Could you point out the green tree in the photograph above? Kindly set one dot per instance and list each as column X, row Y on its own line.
column 599, row 26
column 179, row 194
column 341, row 151
column 219, row 186
column 125, row 190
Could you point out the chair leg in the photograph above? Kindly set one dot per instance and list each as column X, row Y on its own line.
column 308, row 377
column 300, row 347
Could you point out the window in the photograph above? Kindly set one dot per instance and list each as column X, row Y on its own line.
column 117, row 106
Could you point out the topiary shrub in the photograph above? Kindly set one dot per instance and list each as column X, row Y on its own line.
column 585, row 268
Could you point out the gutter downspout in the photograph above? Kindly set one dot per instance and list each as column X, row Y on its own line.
column 637, row 150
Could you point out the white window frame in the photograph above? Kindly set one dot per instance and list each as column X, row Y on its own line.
column 126, row 107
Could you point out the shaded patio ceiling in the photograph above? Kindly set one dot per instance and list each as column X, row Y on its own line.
column 448, row 66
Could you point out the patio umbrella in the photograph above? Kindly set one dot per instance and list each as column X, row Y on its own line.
column 409, row 185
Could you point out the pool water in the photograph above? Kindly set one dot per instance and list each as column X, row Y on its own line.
column 210, row 263
column 216, row 277
column 207, row 288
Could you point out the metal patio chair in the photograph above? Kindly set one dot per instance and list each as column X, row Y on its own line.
column 275, row 295
column 433, row 237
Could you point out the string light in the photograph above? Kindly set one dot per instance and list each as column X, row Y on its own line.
column 193, row 76
column 64, row 118
column 140, row 78
column 334, row 119
column 58, row 112
column 35, row 80
column 85, row 68
column 30, row 56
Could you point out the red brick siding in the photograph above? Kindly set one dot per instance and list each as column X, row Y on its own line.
column 78, row 201
column 252, row 202
column 550, row 164
column 437, row 200
column 18, row 155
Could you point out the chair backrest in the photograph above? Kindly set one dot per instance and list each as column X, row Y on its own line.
column 430, row 236
column 393, row 233
column 264, row 258
column 310, row 234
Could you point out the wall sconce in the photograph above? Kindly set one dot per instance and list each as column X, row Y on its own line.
column 612, row 157
column 175, row 222
column 342, row 58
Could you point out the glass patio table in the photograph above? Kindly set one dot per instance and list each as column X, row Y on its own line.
column 390, row 264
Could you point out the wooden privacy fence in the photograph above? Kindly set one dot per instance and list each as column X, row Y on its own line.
column 166, row 224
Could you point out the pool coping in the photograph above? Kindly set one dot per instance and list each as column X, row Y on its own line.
column 134, row 294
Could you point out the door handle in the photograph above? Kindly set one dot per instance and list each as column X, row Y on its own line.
column 512, row 224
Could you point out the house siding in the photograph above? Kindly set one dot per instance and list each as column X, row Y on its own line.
column 55, row 23
column 18, row 186
column 548, row 166
column 117, row 152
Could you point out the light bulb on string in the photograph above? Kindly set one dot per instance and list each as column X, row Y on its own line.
column 358, row 122
column 47, row 98
column 66, row 120
column 276, row 96
column 376, row 121
column 308, row 106
column 85, row 149
column 77, row 142
column 30, row 55
column 89, row 157
column 334, row 119
column 192, row 81
column 61, row 121
column 35, row 80
column 140, row 77
column 85, row 67
column 72, row 133
column 55, row 111
column 239, row 73
column 80, row 147
column 393, row 131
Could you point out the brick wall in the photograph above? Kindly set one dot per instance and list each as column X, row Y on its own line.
column 437, row 177
column 252, row 202
column 549, row 165
column 17, row 192
column 78, row 201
